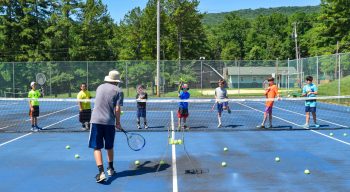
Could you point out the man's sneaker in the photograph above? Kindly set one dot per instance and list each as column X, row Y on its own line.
column 110, row 171
column 38, row 128
column 219, row 125
column 229, row 110
column 317, row 125
column 101, row 177
column 261, row 126
column 306, row 126
column 186, row 127
column 146, row 126
column 270, row 126
column 138, row 126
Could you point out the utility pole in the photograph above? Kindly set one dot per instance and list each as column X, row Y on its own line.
column 158, row 47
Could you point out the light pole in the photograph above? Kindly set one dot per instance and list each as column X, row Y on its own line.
column 158, row 47
column 202, row 58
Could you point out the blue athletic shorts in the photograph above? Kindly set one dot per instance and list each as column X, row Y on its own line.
column 141, row 112
column 220, row 106
column 310, row 109
column 101, row 136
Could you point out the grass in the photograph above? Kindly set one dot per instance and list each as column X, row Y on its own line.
column 332, row 87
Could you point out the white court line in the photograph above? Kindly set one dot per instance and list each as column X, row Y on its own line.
column 4, row 127
column 317, row 132
column 175, row 187
column 316, row 118
column 2, row 144
column 53, row 112
column 189, row 111
column 40, row 116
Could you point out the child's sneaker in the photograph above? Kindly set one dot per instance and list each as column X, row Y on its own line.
column 317, row 125
column 306, row 126
column 101, row 177
column 146, row 126
column 33, row 129
column 260, row 126
column 38, row 128
column 219, row 125
column 110, row 171
column 138, row 126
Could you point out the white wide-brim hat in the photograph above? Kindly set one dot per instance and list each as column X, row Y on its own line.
column 113, row 76
column 32, row 83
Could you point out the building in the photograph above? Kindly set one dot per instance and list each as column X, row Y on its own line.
column 253, row 77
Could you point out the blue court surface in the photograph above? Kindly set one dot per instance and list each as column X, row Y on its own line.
column 40, row 161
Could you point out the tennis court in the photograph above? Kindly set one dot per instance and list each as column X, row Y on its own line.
column 40, row 162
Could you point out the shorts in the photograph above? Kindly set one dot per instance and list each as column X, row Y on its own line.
column 85, row 115
column 220, row 106
column 101, row 136
column 310, row 109
column 35, row 113
column 268, row 109
column 182, row 113
column 141, row 112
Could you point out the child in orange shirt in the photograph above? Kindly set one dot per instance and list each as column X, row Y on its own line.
column 271, row 92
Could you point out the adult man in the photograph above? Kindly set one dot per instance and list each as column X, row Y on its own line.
column 105, row 118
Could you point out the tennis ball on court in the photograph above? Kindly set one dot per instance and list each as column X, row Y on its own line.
column 223, row 164
column 67, row 147
column 331, row 134
column 345, row 134
column 137, row 162
column 277, row 159
column 225, row 149
column 76, row 156
column 161, row 162
column 122, row 113
column 179, row 141
column 307, row 171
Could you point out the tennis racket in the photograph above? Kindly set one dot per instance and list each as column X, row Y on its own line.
column 41, row 79
column 135, row 141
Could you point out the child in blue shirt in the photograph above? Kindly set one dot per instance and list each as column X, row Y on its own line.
column 182, row 112
column 310, row 91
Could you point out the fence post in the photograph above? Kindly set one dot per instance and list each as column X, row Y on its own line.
column 288, row 76
column 339, row 91
column 87, row 75
column 317, row 74
column 13, row 79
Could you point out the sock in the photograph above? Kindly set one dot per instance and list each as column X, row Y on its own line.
column 110, row 165
column 219, row 119
column 100, row 168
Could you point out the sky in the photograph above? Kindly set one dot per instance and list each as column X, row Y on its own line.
column 118, row 8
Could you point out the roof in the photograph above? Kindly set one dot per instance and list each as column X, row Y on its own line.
column 259, row 70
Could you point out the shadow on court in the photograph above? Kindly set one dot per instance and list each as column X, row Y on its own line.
column 145, row 168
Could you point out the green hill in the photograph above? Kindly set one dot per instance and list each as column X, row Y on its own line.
column 331, row 89
column 216, row 18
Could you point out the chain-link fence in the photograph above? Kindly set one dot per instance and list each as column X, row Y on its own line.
column 63, row 79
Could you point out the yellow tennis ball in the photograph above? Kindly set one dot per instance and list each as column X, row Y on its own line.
column 76, row 156
column 122, row 113
column 277, row 159
column 137, row 162
column 223, row 164
column 161, row 162
column 225, row 149
column 331, row 134
column 345, row 134
column 307, row 171
column 179, row 142
column 67, row 147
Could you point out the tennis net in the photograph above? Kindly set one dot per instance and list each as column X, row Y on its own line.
column 62, row 115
